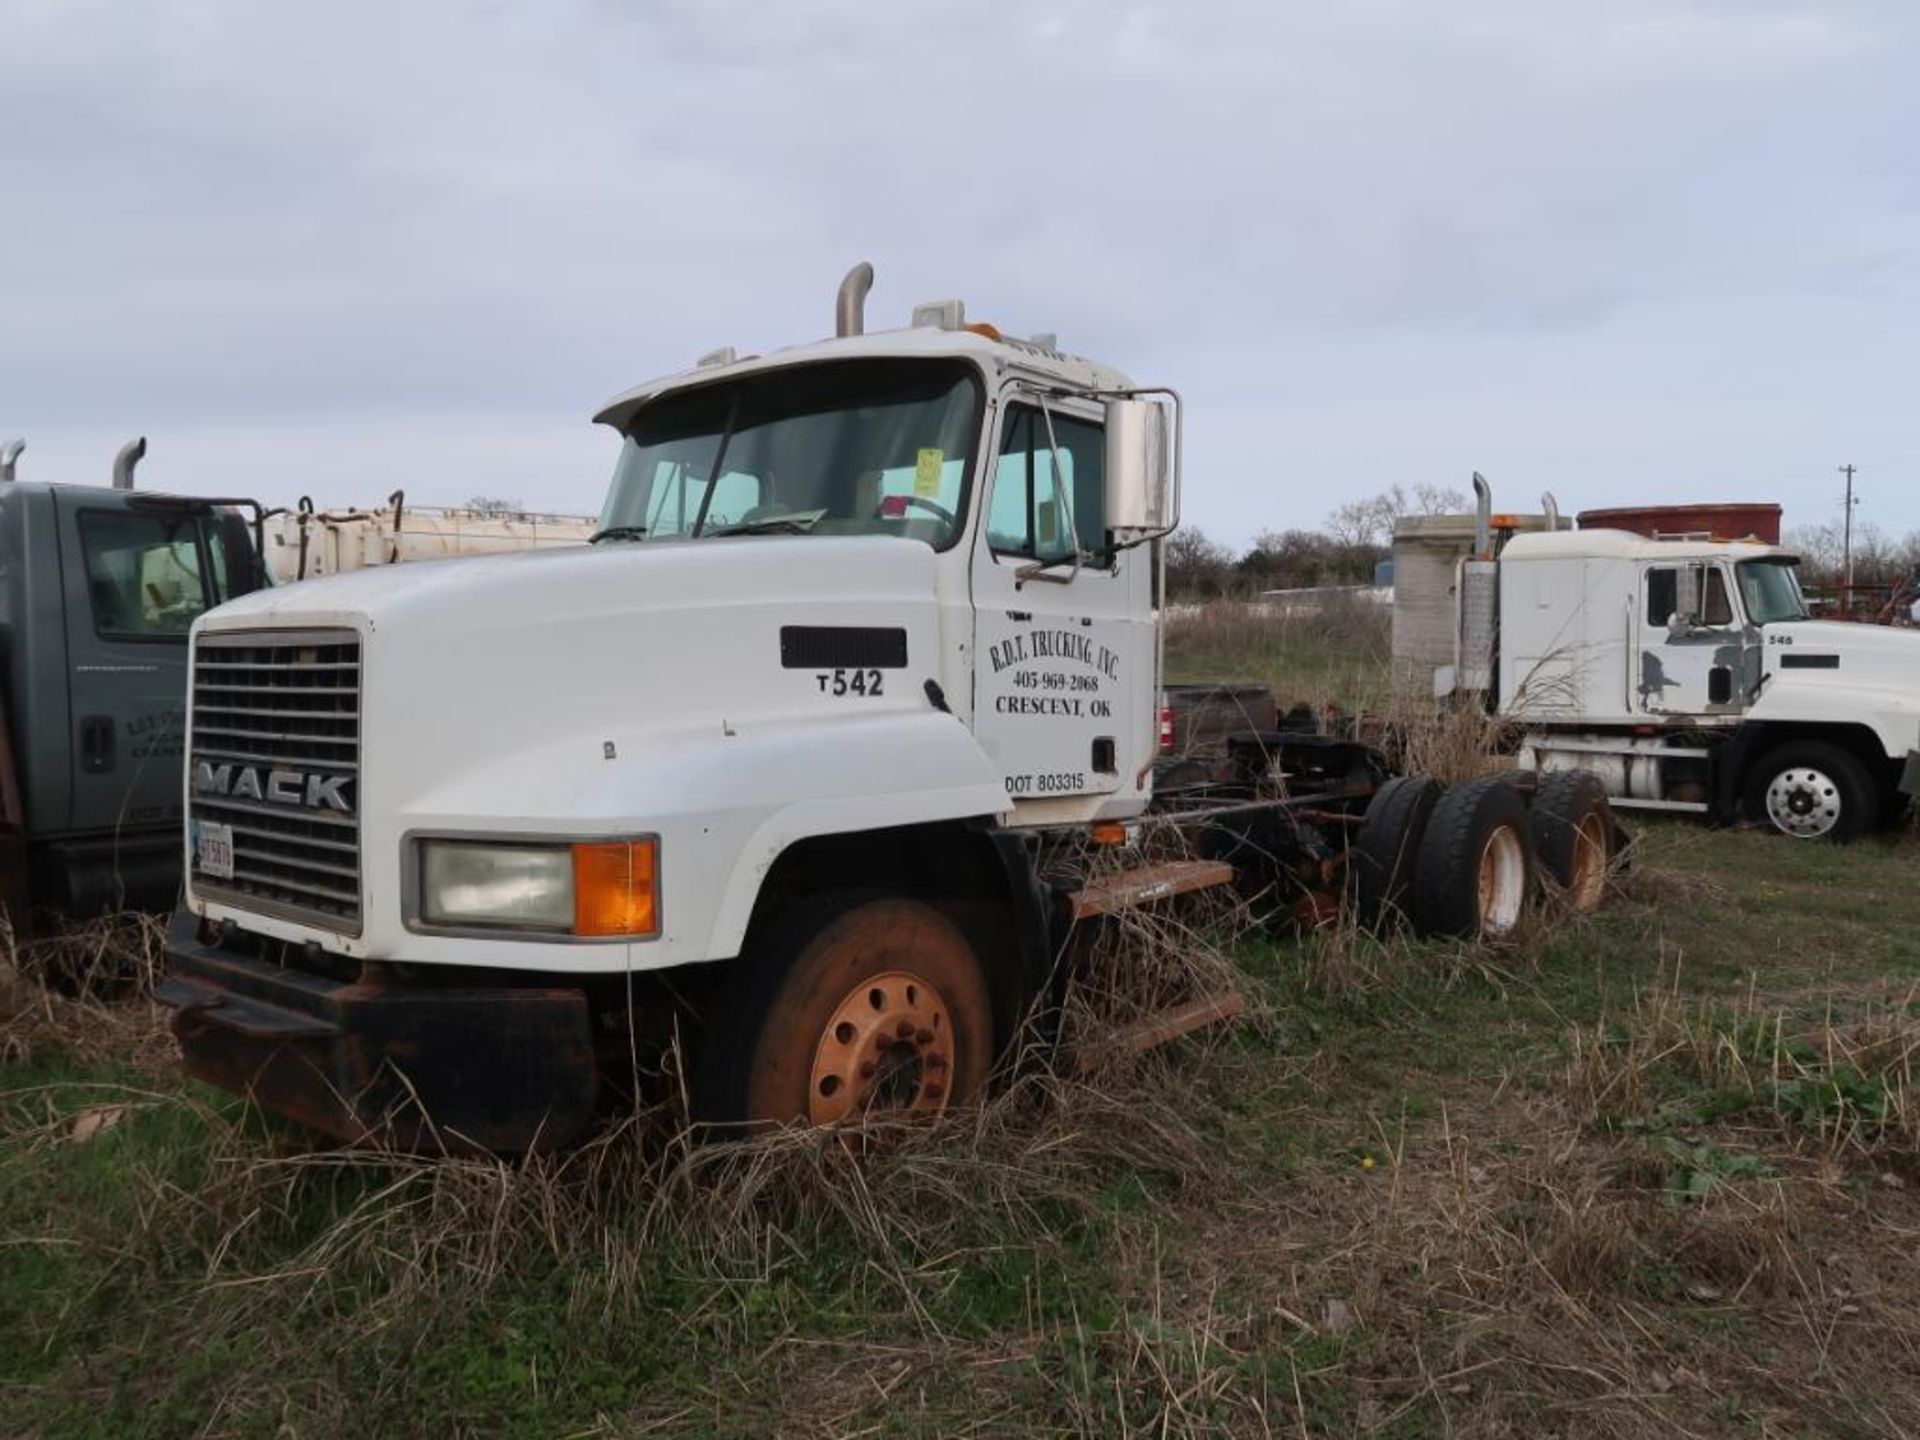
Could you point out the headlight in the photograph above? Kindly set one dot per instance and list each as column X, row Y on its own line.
column 598, row 889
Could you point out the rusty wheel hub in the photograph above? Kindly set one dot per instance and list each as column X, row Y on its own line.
column 1502, row 882
column 1589, row 863
column 887, row 1047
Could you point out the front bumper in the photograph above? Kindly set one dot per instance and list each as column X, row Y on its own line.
column 499, row 1069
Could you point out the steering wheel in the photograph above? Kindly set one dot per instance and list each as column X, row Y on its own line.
column 922, row 501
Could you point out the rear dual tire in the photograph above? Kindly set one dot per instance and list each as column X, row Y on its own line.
column 1386, row 852
column 1571, row 823
column 1475, row 870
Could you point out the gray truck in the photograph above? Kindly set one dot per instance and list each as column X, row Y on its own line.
column 98, row 587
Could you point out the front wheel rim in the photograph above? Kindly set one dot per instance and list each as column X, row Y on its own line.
column 1803, row 802
column 1501, row 881
column 888, row 1047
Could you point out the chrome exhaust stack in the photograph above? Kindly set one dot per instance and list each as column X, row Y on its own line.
column 850, row 306
column 9, row 457
column 131, row 454
column 1482, row 515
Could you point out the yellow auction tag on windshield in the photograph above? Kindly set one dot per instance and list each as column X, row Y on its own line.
column 926, row 474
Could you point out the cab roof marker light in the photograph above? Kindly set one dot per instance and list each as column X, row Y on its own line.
column 725, row 355
column 940, row 315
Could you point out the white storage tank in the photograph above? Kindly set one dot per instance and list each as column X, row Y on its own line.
column 305, row 544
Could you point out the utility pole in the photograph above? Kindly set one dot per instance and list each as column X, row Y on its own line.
column 1846, row 544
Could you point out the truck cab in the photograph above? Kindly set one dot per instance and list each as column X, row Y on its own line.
column 98, row 590
column 1691, row 674
column 862, row 618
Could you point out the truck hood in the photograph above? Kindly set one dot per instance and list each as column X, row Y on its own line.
column 625, row 648
column 1824, row 653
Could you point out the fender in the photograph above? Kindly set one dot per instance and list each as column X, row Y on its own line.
column 1893, row 718
column 895, row 770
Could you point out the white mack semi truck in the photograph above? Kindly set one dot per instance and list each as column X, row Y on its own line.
column 1686, row 672
column 800, row 764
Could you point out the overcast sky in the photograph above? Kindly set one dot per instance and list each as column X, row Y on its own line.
column 1623, row 249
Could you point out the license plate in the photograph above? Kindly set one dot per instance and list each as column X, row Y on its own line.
column 213, row 849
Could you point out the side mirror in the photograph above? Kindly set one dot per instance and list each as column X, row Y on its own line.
column 1142, row 471
column 1689, row 601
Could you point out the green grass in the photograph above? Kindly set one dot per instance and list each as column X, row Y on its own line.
column 1338, row 656
column 1398, row 1174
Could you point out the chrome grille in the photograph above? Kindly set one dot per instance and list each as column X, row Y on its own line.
column 274, row 753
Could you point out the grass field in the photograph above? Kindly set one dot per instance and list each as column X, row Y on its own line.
column 1654, row 1172
column 1339, row 654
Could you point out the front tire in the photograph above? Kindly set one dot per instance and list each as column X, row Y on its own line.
column 848, row 1007
column 1813, row 790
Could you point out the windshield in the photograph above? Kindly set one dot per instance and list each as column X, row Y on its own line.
column 868, row 447
column 1771, row 591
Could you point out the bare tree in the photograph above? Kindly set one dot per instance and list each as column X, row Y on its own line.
column 1196, row 566
column 1369, row 522
column 1439, row 500
column 1818, row 547
column 1878, row 559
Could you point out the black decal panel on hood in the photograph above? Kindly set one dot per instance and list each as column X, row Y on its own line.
column 843, row 647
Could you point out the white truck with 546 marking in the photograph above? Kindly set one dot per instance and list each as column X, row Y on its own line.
column 1686, row 672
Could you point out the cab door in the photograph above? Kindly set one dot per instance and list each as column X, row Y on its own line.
column 1691, row 642
column 1063, row 658
column 136, row 575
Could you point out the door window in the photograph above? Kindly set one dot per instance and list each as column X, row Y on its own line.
column 144, row 573
column 1664, row 590
column 231, row 549
column 1027, row 515
column 1663, row 595
column 1718, row 609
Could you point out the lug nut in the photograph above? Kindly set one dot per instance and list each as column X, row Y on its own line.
column 868, row 1070
column 923, row 1037
column 935, row 1062
column 903, row 1029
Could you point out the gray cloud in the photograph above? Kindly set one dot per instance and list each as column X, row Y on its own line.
column 1628, row 250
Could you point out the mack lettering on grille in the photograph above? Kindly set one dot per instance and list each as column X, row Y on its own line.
column 279, row 787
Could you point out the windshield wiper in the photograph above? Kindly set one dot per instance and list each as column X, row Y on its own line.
column 773, row 524
column 618, row 532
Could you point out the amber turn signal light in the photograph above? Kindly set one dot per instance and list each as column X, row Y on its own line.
column 616, row 888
